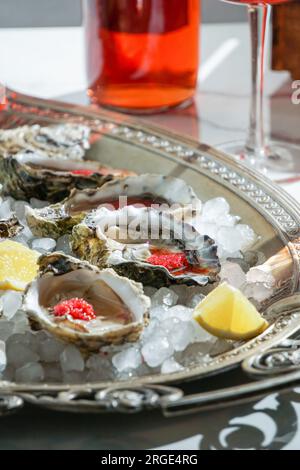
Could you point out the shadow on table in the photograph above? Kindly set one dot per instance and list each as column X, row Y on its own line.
column 270, row 423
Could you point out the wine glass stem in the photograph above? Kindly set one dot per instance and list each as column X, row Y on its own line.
column 259, row 19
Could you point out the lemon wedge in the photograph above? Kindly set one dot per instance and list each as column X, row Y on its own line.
column 18, row 265
column 227, row 313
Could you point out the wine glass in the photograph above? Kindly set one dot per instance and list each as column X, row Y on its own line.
column 277, row 156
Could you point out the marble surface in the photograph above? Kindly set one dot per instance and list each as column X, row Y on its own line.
column 50, row 63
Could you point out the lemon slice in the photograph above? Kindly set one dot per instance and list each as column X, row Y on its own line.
column 227, row 313
column 18, row 265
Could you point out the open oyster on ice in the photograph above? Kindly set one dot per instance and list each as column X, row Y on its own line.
column 47, row 162
column 147, row 245
column 69, row 140
column 157, row 191
column 27, row 175
column 116, row 307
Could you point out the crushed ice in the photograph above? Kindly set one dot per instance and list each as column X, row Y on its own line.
column 170, row 342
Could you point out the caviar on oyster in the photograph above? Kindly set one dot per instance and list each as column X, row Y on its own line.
column 146, row 189
column 48, row 162
column 119, row 304
column 147, row 245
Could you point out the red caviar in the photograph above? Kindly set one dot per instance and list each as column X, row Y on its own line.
column 77, row 308
column 168, row 259
column 83, row 172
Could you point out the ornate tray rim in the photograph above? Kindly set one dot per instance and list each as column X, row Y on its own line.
column 280, row 209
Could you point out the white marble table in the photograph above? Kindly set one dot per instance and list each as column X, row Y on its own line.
column 50, row 63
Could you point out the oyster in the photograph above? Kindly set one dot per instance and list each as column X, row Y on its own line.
column 10, row 227
column 147, row 189
column 47, row 162
column 69, row 140
column 146, row 245
column 27, row 174
column 119, row 304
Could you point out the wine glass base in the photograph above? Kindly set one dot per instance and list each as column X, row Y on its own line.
column 279, row 157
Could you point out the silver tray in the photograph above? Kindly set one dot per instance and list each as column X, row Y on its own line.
column 272, row 213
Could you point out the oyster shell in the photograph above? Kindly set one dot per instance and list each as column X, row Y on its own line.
column 26, row 174
column 10, row 227
column 47, row 162
column 69, row 140
column 119, row 303
column 147, row 189
column 128, row 238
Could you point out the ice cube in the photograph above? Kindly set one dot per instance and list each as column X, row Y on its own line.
column 165, row 327
column 200, row 335
column 170, row 365
column 156, row 350
column 181, row 335
column 37, row 203
column 237, row 238
column 21, row 322
column 96, row 362
column 257, row 291
column 63, row 244
column 19, row 209
column 50, row 349
column 43, row 244
column 31, row 340
column 31, row 372
column 6, row 329
column 158, row 312
column 71, row 359
column 261, row 274
column 18, row 338
column 248, row 236
column 3, row 360
column 229, row 239
column 52, row 372
column 99, row 368
column 195, row 300
column 214, row 208
column 181, row 312
column 93, row 375
column 233, row 274
column 164, row 296
column 24, row 237
column 227, row 220
column 207, row 228
column 127, row 359
column 152, row 329
column 42, row 335
column 5, row 209
column 11, row 302
column 182, row 291
column 19, row 353
column 74, row 377
column 126, row 374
